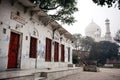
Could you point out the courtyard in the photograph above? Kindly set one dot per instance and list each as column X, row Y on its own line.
column 104, row 74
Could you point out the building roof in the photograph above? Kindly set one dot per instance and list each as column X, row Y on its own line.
column 45, row 18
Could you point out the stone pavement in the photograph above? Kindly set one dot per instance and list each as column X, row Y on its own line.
column 104, row 74
column 31, row 72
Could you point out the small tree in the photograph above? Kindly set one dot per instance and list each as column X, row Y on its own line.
column 86, row 43
column 75, row 59
column 77, row 41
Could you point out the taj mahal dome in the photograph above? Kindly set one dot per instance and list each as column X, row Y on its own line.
column 94, row 31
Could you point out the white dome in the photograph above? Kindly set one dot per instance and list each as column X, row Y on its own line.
column 92, row 29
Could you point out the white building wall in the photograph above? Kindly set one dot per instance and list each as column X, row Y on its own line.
column 26, row 31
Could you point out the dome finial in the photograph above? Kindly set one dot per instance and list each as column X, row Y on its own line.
column 107, row 20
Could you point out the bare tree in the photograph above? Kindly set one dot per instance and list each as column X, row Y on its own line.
column 77, row 41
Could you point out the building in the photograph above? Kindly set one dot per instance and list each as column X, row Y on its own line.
column 31, row 39
column 94, row 31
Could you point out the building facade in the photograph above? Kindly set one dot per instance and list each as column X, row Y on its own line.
column 30, row 39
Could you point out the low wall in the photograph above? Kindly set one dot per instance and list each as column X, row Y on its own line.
column 27, row 77
column 52, row 75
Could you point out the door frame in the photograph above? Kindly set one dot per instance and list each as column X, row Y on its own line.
column 19, row 49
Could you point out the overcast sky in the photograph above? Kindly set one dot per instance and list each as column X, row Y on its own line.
column 89, row 11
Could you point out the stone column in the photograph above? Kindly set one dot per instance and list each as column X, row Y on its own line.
column 108, row 33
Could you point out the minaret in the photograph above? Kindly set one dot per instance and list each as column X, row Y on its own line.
column 108, row 33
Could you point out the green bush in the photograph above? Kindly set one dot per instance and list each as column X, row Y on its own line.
column 75, row 59
column 116, row 65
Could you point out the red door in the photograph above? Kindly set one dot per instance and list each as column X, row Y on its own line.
column 33, row 47
column 48, row 50
column 56, row 52
column 13, row 50
column 62, row 53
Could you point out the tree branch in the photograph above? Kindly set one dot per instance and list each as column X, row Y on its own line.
column 46, row 8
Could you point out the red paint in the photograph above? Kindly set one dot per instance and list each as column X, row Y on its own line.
column 13, row 50
column 48, row 50
column 56, row 52
column 33, row 47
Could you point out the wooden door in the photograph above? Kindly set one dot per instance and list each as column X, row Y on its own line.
column 48, row 50
column 13, row 50
column 33, row 47
column 56, row 52
column 62, row 53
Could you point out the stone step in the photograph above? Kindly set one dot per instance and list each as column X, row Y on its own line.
column 40, row 78
column 38, row 74
column 56, row 74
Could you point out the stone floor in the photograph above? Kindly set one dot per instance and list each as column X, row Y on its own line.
column 104, row 74
column 21, row 73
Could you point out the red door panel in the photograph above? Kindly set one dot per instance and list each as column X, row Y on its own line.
column 33, row 47
column 13, row 50
column 48, row 50
column 56, row 52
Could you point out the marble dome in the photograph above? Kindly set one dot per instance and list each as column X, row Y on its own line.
column 93, row 30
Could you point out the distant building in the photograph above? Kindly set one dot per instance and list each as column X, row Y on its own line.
column 94, row 31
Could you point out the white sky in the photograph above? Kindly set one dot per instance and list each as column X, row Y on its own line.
column 89, row 11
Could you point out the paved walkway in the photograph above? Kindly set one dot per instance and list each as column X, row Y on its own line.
column 10, row 74
column 104, row 74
